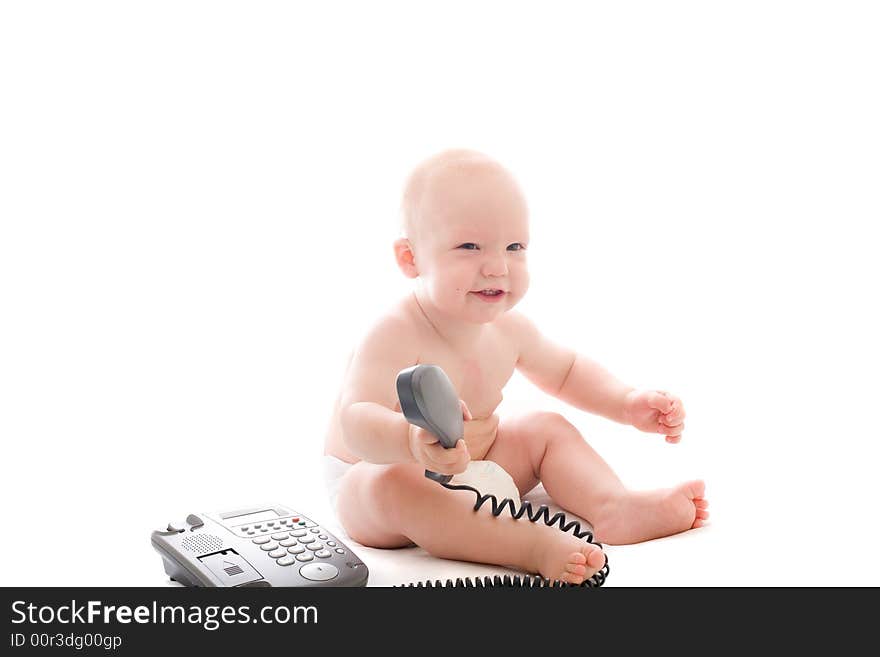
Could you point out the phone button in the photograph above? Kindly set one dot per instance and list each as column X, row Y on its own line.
column 319, row 572
column 194, row 520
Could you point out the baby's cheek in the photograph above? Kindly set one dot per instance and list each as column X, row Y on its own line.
column 522, row 280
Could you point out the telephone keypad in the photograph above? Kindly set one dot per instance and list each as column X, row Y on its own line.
column 299, row 544
column 287, row 550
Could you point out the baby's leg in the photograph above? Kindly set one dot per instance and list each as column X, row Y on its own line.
column 394, row 505
column 546, row 447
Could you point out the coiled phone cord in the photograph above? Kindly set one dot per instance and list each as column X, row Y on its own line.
column 522, row 581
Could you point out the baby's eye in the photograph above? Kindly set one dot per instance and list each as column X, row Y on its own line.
column 516, row 246
column 467, row 245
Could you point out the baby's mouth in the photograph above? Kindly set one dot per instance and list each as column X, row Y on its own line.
column 490, row 293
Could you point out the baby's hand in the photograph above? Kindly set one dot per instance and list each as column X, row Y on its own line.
column 655, row 411
column 428, row 451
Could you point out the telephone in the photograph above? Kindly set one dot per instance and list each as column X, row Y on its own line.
column 268, row 545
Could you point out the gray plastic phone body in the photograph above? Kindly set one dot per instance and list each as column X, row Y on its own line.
column 218, row 549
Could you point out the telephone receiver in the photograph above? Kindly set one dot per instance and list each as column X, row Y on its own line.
column 429, row 400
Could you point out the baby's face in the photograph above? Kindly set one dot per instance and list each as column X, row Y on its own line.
column 471, row 240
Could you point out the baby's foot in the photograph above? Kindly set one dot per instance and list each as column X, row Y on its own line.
column 563, row 556
column 644, row 515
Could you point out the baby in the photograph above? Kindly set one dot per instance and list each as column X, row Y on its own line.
column 466, row 235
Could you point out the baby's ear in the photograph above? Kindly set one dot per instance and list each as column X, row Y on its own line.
column 403, row 253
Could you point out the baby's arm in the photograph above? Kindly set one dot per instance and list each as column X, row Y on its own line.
column 567, row 375
column 370, row 428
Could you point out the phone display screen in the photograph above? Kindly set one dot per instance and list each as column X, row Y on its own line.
column 257, row 516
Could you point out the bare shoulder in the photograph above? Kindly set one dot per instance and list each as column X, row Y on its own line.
column 518, row 330
column 390, row 332
column 389, row 344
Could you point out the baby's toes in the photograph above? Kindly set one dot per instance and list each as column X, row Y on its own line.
column 595, row 558
column 571, row 578
column 576, row 569
column 700, row 519
column 701, row 503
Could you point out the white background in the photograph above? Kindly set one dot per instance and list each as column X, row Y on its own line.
column 198, row 202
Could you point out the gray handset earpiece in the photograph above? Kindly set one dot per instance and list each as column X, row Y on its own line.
column 429, row 400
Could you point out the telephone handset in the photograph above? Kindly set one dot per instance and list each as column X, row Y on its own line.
column 428, row 400
column 269, row 545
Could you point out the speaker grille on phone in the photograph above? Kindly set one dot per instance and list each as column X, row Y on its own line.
column 202, row 543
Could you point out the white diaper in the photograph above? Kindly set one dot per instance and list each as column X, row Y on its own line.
column 334, row 469
column 490, row 479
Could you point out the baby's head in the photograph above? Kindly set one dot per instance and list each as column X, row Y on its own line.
column 465, row 232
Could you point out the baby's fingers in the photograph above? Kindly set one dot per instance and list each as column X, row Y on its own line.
column 660, row 401
column 673, row 433
column 448, row 461
column 676, row 413
column 444, row 456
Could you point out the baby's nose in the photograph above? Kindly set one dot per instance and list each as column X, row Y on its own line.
column 494, row 266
